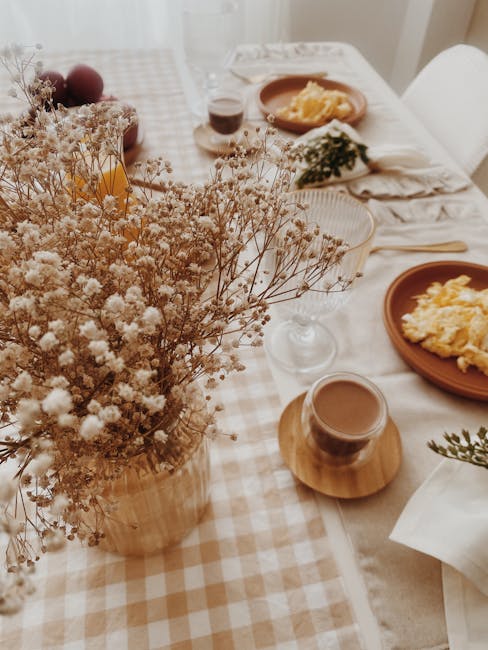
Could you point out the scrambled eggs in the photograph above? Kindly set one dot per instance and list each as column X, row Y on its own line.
column 451, row 320
column 315, row 104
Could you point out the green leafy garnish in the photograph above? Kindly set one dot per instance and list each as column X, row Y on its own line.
column 466, row 448
column 328, row 155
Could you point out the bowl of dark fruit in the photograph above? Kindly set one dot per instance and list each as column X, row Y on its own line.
column 84, row 85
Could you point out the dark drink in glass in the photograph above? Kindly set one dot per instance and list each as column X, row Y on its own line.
column 225, row 112
column 342, row 414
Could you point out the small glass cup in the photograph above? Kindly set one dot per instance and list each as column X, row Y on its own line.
column 343, row 415
column 225, row 114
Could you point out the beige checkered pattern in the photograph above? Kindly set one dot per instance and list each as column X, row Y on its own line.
column 258, row 571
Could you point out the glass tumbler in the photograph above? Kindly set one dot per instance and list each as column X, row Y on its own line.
column 343, row 415
column 225, row 114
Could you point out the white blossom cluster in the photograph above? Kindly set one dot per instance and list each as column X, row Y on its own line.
column 113, row 307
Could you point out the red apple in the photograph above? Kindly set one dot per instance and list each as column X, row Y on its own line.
column 58, row 83
column 71, row 101
column 84, row 84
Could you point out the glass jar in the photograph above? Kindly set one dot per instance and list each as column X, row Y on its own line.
column 148, row 507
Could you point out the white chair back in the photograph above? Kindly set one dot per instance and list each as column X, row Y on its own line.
column 450, row 96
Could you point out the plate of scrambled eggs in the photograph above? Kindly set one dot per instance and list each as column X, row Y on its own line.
column 436, row 315
column 300, row 103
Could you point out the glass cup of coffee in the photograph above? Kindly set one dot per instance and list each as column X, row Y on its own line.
column 343, row 415
column 225, row 114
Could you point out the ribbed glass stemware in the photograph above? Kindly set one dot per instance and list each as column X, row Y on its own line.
column 301, row 343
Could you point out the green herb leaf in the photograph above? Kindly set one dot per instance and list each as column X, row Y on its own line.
column 469, row 449
column 327, row 156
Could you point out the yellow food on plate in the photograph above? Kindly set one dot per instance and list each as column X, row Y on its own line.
column 316, row 104
column 451, row 320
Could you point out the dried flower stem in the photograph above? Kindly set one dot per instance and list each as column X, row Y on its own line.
column 117, row 295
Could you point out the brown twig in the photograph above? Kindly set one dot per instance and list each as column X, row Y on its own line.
column 139, row 182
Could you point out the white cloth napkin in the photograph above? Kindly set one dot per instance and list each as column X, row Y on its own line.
column 278, row 57
column 385, row 156
column 401, row 170
column 426, row 210
column 465, row 607
column 447, row 517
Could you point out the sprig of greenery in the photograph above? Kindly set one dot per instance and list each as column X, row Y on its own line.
column 466, row 448
column 328, row 155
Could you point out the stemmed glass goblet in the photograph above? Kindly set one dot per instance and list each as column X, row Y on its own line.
column 210, row 33
column 301, row 343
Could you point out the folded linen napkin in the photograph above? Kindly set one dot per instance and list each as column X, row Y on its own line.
column 447, row 517
column 256, row 64
column 380, row 171
column 258, row 56
column 423, row 210
column 465, row 608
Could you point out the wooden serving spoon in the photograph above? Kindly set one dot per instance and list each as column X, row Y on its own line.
column 456, row 246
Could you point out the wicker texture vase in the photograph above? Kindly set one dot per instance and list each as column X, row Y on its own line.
column 155, row 509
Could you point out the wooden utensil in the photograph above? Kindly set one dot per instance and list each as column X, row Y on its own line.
column 456, row 246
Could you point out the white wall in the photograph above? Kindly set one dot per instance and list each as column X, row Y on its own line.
column 478, row 28
column 372, row 26
column 478, row 36
column 119, row 24
column 397, row 36
column 430, row 26
column 86, row 24
column 448, row 25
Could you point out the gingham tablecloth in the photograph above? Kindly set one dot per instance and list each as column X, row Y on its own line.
column 258, row 571
column 403, row 605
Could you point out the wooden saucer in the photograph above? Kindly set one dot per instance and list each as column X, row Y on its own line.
column 342, row 481
column 204, row 134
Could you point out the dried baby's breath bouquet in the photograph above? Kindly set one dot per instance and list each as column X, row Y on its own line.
column 115, row 300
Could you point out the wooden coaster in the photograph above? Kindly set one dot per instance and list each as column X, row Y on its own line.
column 204, row 134
column 343, row 481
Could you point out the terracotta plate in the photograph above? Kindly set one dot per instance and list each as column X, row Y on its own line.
column 400, row 299
column 278, row 93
